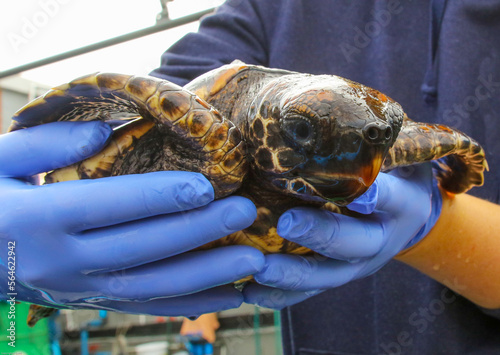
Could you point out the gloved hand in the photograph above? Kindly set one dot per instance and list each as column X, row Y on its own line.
column 400, row 209
column 111, row 242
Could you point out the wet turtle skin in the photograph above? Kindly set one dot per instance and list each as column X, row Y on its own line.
column 282, row 139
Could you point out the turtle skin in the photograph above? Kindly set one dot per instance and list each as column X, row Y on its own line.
column 283, row 139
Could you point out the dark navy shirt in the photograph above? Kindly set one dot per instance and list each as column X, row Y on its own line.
column 441, row 61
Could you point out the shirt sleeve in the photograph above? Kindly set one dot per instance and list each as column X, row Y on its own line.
column 234, row 31
column 495, row 313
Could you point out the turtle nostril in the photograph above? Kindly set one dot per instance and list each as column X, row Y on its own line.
column 372, row 133
column 377, row 133
column 388, row 133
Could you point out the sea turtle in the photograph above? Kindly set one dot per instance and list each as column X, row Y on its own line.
column 280, row 138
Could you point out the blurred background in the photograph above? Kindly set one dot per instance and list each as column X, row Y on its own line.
column 36, row 31
column 33, row 30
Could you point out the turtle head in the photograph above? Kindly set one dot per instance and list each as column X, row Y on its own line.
column 321, row 137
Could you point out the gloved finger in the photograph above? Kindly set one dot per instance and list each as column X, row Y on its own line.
column 367, row 202
column 299, row 273
column 152, row 239
column 87, row 204
column 50, row 146
column 274, row 298
column 208, row 301
column 393, row 188
column 182, row 274
column 331, row 234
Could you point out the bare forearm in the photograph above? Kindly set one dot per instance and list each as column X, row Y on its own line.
column 462, row 251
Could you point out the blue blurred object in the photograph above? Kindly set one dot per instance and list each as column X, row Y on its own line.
column 209, row 349
column 84, row 342
column 84, row 333
column 54, row 334
column 196, row 345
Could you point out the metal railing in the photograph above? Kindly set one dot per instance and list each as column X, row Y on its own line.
column 160, row 26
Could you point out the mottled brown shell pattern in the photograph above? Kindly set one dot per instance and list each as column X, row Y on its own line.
column 187, row 118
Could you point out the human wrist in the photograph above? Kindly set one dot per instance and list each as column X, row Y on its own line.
column 413, row 247
column 435, row 213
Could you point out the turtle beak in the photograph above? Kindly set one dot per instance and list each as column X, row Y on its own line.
column 369, row 172
column 340, row 191
column 342, row 187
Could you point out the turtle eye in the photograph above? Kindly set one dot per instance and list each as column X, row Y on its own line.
column 299, row 129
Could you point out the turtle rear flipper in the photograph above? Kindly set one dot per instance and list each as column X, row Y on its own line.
column 37, row 312
column 460, row 160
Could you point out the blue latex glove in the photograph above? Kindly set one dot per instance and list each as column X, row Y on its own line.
column 400, row 209
column 111, row 242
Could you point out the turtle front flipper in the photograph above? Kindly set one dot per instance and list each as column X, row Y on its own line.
column 188, row 126
column 460, row 159
column 103, row 164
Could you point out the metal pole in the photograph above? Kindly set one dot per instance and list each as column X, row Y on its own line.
column 256, row 329
column 107, row 43
column 277, row 333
